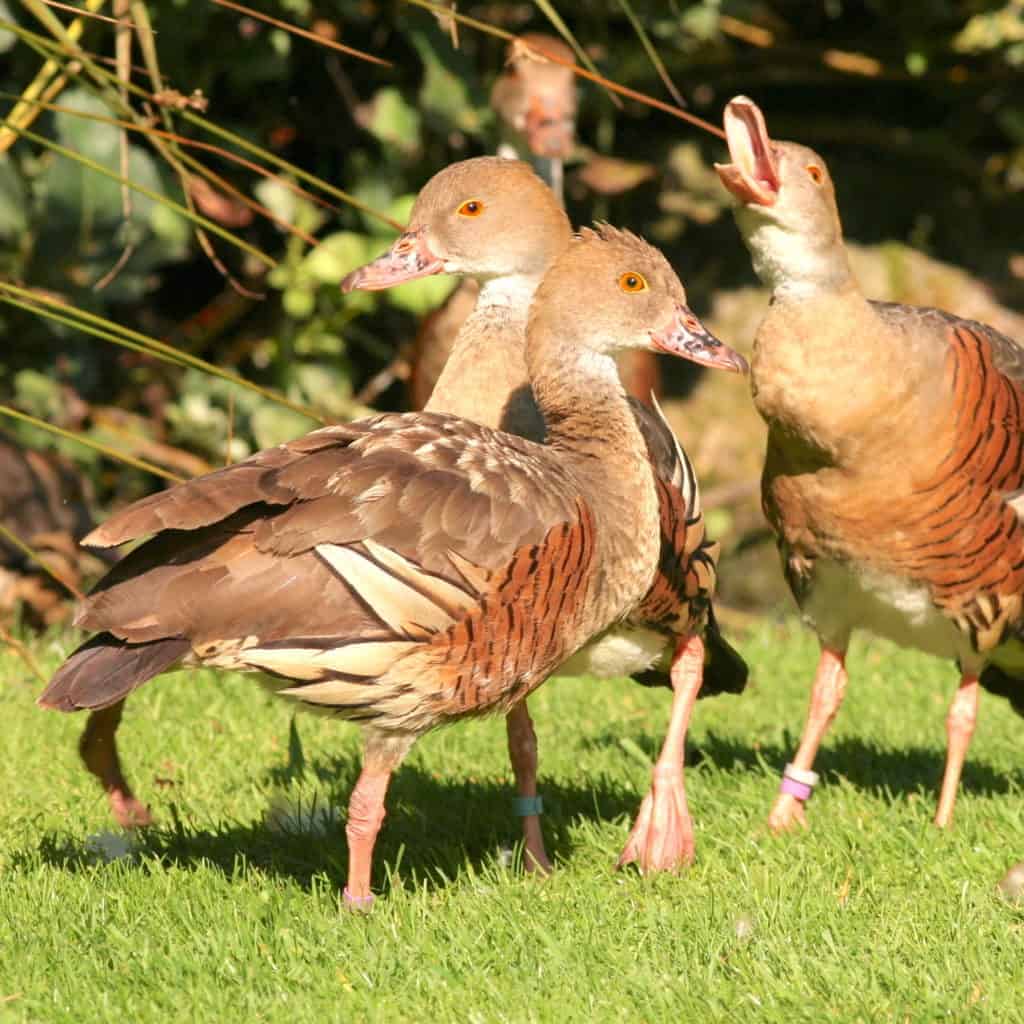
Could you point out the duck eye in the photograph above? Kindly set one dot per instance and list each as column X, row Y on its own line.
column 632, row 282
column 816, row 173
column 471, row 208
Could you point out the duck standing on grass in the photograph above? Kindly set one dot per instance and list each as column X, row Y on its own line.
column 496, row 222
column 410, row 570
column 895, row 464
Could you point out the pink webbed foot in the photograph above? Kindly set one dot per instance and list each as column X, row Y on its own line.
column 662, row 838
column 536, row 862
column 358, row 904
column 787, row 814
column 98, row 750
column 128, row 810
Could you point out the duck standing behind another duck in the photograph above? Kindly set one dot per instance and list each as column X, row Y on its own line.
column 535, row 101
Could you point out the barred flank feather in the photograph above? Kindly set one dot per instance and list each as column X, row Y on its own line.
column 963, row 534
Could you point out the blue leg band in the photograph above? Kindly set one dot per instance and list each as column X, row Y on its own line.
column 527, row 805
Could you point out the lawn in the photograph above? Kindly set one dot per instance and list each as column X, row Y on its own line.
column 217, row 915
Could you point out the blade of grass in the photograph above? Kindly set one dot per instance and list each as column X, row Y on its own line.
column 170, row 151
column 85, row 161
column 88, row 442
column 293, row 169
column 92, row 323
column 89, row 12
column 225, row 186
column 123, row 50
column 23, row 114
column 112, row 90
column 563, row 30
column 607, row 83
column 652, row 53
column 29, row 658
column 295, row 30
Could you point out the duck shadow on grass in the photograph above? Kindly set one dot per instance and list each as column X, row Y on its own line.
column 439, row 828
column 435, row 830
column 881, row 771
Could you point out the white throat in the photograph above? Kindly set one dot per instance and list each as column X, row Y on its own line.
column 790, row 267
column 512, row 292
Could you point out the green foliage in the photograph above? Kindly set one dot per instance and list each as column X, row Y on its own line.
column 925, row 138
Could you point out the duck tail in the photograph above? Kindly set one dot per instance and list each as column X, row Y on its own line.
column 998, row 681
column 725, row 671
column 105, row 670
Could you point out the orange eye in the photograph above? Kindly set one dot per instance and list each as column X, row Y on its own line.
column 816, row 173
column 471, row 208
column 633, row 283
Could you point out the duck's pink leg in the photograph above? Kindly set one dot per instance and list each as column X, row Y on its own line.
column 826, row 697
column 963, row 714
column 662, row 838
column 522, row 752
column 98, row 750
column 384, row 753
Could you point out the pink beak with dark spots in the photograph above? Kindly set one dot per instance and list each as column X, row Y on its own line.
column 687, row 337
column 408, row 259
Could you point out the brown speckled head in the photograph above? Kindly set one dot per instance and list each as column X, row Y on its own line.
column 787, row 211
column 610, row 291
column 486, row 218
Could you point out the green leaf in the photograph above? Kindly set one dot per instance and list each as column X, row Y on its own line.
column 392, row 120
column 336, row 255
column 444, row 91
column 422, row 296
column 7, row 39
column 273, row 424
column 299, row 301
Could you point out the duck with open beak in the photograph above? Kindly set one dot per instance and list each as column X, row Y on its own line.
column 535, row 96
column 753, row 175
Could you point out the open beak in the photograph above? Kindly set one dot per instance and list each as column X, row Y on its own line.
column 409, row 258
column 686, row 336
column 550, row 127
column 753, row 176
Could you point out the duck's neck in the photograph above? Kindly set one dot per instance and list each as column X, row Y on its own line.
column 827, row 372
column 485, row 377
column 589, row 421
column 793, row 266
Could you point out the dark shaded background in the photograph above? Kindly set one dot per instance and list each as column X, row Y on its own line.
column 918, row 108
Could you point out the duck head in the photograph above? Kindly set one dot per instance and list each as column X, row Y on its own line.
column 485, row 218
column 611, row 291
column 536, row 97
column 786, row 208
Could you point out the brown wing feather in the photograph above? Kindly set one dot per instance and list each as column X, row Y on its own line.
column 684, row 583
column 273, row 571
column 211, row 498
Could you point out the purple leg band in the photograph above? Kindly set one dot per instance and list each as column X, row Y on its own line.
column 798, row 789
column 358, row 902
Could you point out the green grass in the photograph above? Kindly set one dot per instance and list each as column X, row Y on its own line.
column 872, row 915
